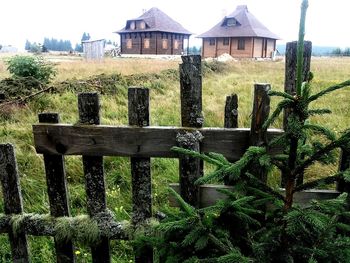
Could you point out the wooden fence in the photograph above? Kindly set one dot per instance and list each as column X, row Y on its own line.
column 140, row 142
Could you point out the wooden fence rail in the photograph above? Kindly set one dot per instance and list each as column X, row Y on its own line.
column 140, row 142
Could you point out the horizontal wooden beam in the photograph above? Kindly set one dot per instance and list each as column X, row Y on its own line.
column 135, row 141
column 209, row 195
column 44, row 225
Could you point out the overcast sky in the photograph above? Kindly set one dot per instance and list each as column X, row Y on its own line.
column 327, row 21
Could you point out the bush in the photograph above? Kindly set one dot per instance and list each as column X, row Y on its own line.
column 31, row 66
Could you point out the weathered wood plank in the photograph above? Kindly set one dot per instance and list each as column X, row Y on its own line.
column 190, row 169
column 89, row 113
column 231, row 111
column 209, row 194
column 11, row 190
column 138, row 111
column 258, row 135
column 134, row 141
column 290, row 80
column 43, row 225
column 191, row 91
column 57, row 191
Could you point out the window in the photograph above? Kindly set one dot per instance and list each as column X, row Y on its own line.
column 226, row 41
column 241, row 44
column 231, row 22
column 176, row 44
column 165, row 43
column 132, row 25
column 129, row 43
column 142, row 25
column 146, row 43
column 211, row 41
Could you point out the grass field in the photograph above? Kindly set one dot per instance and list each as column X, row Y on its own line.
column 235, row 77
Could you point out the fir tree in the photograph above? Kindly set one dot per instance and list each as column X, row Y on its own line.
column 241, row 228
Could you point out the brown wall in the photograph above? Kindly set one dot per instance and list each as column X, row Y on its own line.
column 155, row 43
column 253, row 48
column 264, row 47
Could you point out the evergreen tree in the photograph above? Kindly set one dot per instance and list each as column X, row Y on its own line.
column 27, row 45
column 86, row 36
column 241, row 228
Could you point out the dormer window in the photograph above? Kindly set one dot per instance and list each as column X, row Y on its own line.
column 142, row 25
column 132, row 25
column 231, row 22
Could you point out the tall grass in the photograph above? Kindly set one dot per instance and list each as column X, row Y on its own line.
column 237, row 77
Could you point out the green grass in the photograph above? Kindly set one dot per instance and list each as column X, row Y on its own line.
column 237, row 77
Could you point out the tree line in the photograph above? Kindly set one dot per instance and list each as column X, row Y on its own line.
column 54, row 44
column 341, row 52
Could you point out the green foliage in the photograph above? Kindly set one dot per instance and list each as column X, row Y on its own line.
column 255, row 223
column 31, row 66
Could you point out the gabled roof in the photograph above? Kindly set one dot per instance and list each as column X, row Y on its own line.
column 156, row 20
column 246, row 26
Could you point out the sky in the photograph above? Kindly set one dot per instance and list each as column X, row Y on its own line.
column 327, row 21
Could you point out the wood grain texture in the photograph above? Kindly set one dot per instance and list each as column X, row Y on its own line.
column 136, row 142
column 57, row 191
column 231, row 111
column 258, row 135
column 290, row 81
column 138, row 112
column 11, row 191
column 89, row 114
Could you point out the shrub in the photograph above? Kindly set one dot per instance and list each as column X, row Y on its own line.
column 31, row 66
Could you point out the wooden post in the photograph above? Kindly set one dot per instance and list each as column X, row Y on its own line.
column 231, row 111
column 261, row 110
column 138, row 99
column 290, row 80
column 89, row 113
column 57, row 192
column 191, row 91
column 11, row 190
column 191, row 116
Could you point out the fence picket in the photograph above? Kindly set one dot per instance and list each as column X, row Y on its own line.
column 140, row 167
column 89, row 114
column 231, row 111
column 11, row 190
column 57, row 191
column 190, row 169
column 261, row 110
column 290, row 80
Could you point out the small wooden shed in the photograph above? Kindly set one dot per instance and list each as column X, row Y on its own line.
column 153, row 33
column 239, row 34
column 94, row 49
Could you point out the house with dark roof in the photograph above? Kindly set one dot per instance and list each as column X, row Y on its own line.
column 153, row 32
column 239, row 34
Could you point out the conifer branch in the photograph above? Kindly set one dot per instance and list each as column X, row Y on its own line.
column 328, row 90
column 318, row 182
column 318, row 154
column 281, row 105
column 281, row 94
column 319, row 111
column 188, row 209
column 321, row 129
